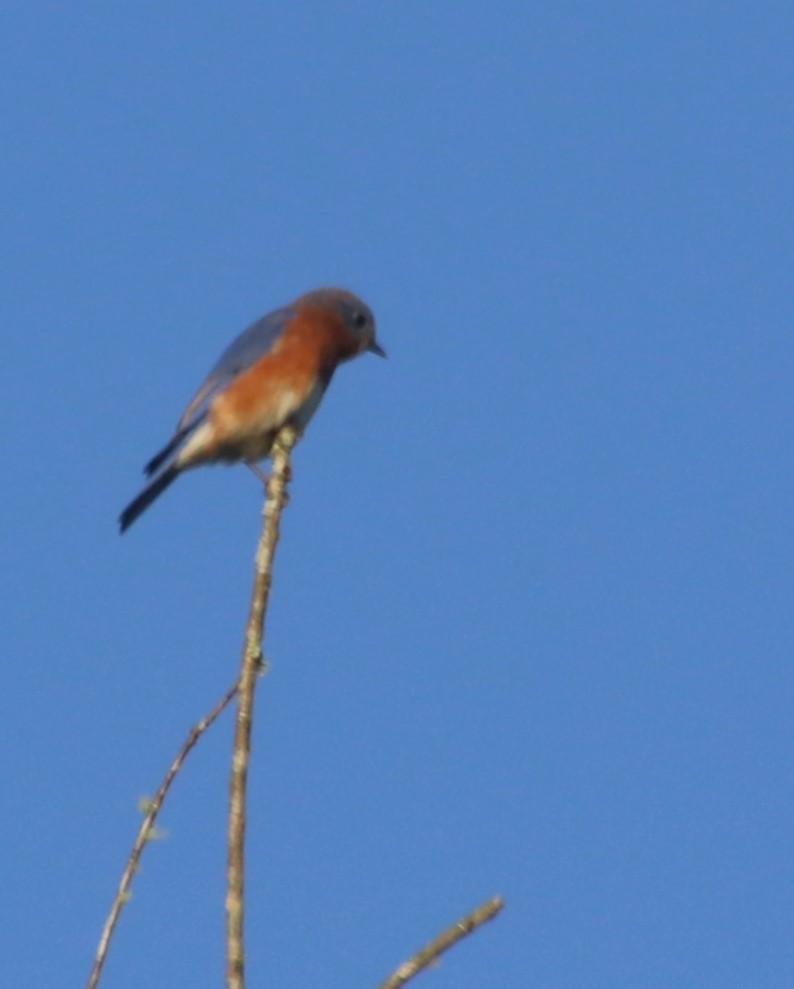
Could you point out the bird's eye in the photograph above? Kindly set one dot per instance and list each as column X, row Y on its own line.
column 359, row 320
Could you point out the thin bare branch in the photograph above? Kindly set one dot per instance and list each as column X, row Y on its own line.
column 251, row 663
column 445, row 940
column 146, row 831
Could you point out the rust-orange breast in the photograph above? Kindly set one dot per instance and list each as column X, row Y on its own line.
column 265, row 395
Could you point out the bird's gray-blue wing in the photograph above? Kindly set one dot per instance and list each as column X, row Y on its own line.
column 244, row 351
column 253, row 343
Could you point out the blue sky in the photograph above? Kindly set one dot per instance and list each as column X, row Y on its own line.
column 531, row 629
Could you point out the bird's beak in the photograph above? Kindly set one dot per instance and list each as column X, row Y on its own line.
column 375, row 348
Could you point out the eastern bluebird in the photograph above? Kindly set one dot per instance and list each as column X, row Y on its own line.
column 275, row 373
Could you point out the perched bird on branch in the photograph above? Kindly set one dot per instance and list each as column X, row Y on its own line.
column 274, row 374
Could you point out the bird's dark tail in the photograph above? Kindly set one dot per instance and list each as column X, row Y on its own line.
column 160, row 458
column 139, row 505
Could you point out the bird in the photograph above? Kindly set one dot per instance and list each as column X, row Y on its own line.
column 273, row 374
